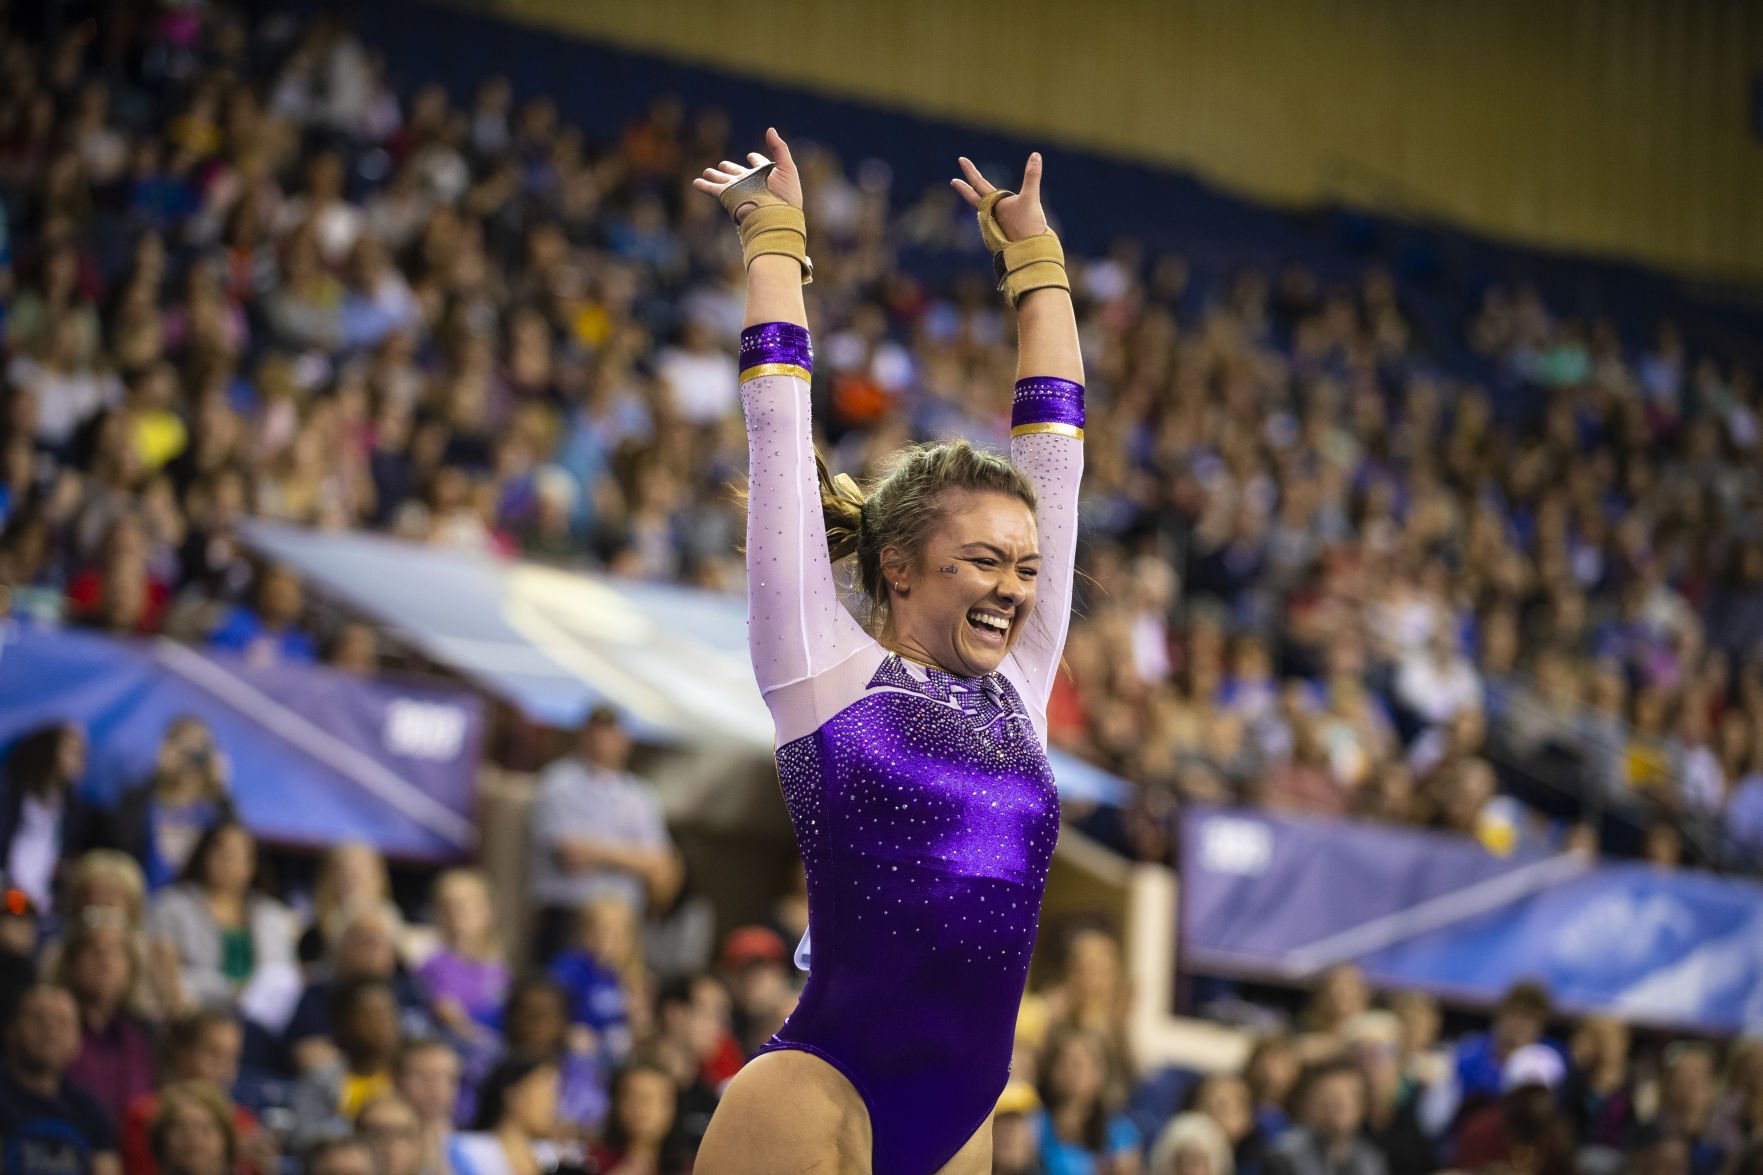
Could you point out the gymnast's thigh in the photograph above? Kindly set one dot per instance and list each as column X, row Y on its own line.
column 975, row 1155
column 787, row 1113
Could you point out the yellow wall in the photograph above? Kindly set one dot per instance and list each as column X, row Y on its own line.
column 1615, row 126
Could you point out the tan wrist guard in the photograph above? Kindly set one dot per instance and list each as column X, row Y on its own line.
column 772, row 227
column 1034, row 263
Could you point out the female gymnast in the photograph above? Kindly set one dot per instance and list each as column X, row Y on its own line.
column 912, row 753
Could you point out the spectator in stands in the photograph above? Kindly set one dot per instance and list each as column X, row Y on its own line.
column 234, row 942
column 1225, row 1099
column 1437, row 683
column 1272, row 1070
column 595, row 972
column 338, row 1155
column 389, row 1126
column 1686, row 1103
column 1738, row 1115
column 1392, row 1107
column 105, row 879
column 1598, row 1096
column 43, row 820
column 120, row 594
column 202, row 1047
column 1526, row 1119
column 1015, row 1148
column 1519, row 1020
column 48, row 1124
column 159, row 822
column 467, row 976
column 755, row 964
column 517, row 1110
column 1340, row 996
column 364, row 1028
column 691, row 1020
column 100, row 965
column 597, row 830
column 536, row 1024
column 642, row 1135
column 427, row 1077
column 1331, row 1100
column 354, row 649
column 1079, row 1129
column 1192, row 1144
column 269, row 632
column 364, row 948
column 18, row 949
column 1417, row 1017
column 1090, row 992
column 352, row 875
column 192, row 1131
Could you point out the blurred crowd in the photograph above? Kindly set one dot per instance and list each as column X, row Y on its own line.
column 244, row 275
column 165, row 1009
column 1360, row 1085
column 171, row 1009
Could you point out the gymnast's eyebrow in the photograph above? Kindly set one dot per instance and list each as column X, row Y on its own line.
column 1001, row 553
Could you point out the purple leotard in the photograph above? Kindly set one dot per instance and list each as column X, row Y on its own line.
column 922, row 802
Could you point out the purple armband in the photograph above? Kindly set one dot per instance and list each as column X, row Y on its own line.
column 1045, row 404
column 776, row 348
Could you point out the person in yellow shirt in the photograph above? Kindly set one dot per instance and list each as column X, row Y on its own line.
column 365, row 1029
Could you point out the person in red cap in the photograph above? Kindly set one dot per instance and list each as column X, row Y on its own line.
column 754, row 961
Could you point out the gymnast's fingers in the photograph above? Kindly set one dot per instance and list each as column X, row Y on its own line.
column 966, row 190
column 1031, row 178
column 978, row 182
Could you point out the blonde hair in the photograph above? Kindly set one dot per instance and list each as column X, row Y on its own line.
column 325, row 898
column 101, row 865
column 82, row 933
column 205, row 1098
column 1192, row 1131
column 615, row 914
column 454, row 878
column 905, row 506
column 343, row 918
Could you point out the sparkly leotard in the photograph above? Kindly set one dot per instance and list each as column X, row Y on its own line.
column 922, row 802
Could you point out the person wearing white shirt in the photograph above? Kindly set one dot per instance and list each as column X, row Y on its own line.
column 42, row 821
column 702, row 378
column 597, row 831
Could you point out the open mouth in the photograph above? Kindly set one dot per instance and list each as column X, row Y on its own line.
column 989, row 626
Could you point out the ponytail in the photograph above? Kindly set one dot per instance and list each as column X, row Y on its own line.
column 841, row 503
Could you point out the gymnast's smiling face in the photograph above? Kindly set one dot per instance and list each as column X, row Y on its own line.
column 961, row 602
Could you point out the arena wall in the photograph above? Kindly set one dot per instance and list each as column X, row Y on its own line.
column 1623, row 127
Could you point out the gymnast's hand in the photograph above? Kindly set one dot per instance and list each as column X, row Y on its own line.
column 784, row 182
column 1020, row 216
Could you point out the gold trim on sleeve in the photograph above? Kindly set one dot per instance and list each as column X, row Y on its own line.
column 761, row 370
column 1049, row 426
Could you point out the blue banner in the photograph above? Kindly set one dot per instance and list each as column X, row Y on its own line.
column 1285, row 898
column 555, row 643
column 315, row 756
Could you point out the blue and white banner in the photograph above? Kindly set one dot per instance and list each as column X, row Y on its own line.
column 1285, row 898
column 555, row 643
column 315, row 756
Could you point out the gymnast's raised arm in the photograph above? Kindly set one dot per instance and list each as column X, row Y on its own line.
column 796, row 625
column 1047, row 413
